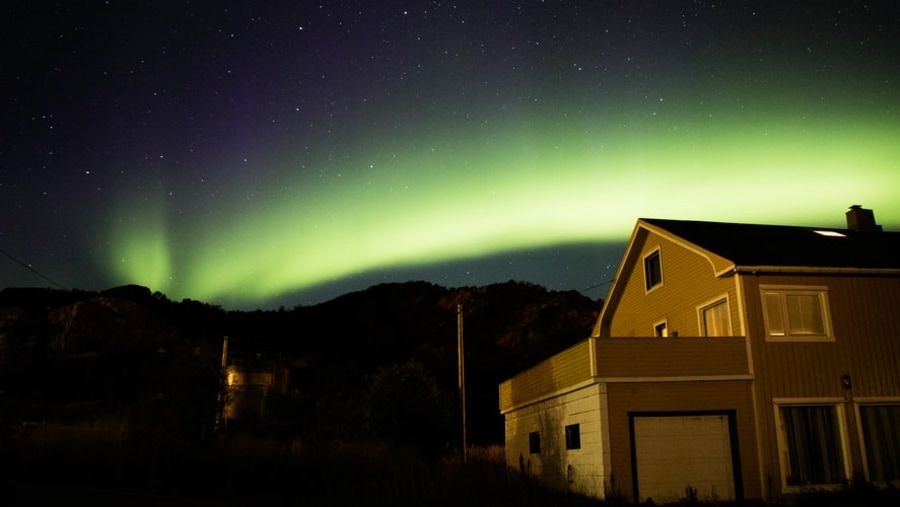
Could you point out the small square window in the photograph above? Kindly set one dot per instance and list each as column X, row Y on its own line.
column 573, row 436
column 534, row 442
column 652, row 270
column 661, row 330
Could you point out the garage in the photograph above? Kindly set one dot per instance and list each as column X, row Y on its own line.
column 672, row 452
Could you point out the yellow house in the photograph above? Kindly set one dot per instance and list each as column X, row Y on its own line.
column 730, row 361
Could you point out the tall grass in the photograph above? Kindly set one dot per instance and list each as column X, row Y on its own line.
column 254, row 471
column 262, row 471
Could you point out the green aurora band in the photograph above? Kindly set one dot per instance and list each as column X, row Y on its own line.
column 422, row 197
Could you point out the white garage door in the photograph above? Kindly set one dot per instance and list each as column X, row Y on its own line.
column 676, row 452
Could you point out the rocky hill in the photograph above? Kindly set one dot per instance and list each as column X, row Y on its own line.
column 127, row 351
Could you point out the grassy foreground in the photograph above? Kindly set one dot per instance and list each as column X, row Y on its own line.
column 242, row 471
column 265, row 472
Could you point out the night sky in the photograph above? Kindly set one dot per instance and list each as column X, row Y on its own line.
column 256, row 154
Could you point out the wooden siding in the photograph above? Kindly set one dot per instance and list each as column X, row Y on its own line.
column 865, row 317
column 566, row 369
column 689, row 280
column 671, row 357
column 625, row 398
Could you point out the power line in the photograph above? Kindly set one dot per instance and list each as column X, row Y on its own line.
column 601, row 284
column 29, row 268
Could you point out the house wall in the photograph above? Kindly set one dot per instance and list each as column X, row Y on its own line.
column 865, row 319
column 683, row 357
column 626, row 398
column 580, row 470
column 689, row 279
column 551, row 376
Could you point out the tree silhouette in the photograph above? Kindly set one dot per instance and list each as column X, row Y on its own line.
column 404, row 404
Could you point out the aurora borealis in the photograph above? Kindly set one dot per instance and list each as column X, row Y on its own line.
column 253, row 155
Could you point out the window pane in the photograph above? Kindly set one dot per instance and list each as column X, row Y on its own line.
column 773, row 313
column 716, row 321
column 881, row 433
column 652, row 270
column 534, row 442
column 573, row 436
column 805, row 314
column 813, row 448
column 661, row 330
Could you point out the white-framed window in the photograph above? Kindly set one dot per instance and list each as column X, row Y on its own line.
column 715, row 317
column 811, row 443
column 661, row 329
column 879, row 426
column 796, row 313
column 652, row 270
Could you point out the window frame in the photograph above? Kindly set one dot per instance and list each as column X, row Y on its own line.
column 701, row 320
column 657, row 254
column 859, row 404
column 573, row 436
column 784, row 290
column 842, row 445
column 661, row 329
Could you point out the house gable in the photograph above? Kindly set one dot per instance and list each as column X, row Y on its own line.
column 688, row 272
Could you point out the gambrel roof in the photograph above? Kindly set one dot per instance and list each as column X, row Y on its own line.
column 756, row 245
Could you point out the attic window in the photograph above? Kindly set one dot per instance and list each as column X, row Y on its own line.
column 831, row 234
column 652, row 270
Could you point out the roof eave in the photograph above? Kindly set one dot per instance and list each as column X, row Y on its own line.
column 817, row 270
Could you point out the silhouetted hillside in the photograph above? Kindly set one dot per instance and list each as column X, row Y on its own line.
column 135, row 354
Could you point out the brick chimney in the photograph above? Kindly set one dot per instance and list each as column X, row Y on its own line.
column 861, row 219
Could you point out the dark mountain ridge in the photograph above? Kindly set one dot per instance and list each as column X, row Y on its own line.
column 130, row 351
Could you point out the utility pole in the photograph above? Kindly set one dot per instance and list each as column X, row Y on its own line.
column 223, row 388
column 460, row 351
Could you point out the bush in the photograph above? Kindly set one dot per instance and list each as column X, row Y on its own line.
column 405, row 405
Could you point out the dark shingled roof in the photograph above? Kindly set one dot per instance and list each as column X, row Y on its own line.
column 788, row 246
